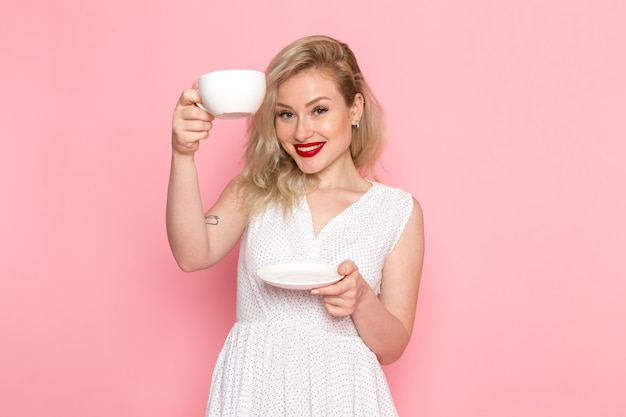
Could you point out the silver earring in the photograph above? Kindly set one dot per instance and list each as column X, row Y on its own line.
column 357, row 124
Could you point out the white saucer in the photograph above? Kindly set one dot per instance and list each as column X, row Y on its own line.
column 299, row 276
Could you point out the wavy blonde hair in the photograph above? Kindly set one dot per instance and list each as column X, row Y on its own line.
column 270, row 175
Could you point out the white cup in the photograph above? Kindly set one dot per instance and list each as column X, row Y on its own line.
column 231, row 94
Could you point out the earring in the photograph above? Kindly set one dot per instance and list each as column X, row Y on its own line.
column 357, row 124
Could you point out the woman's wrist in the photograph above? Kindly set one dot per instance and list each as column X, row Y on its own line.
column 365, row 299
column 177, row 155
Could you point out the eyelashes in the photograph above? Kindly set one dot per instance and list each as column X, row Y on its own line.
column 320, row 110
column 286, row 114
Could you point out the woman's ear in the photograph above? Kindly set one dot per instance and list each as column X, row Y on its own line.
column 356, row 109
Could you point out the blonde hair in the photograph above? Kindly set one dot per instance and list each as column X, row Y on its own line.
column 270, row 175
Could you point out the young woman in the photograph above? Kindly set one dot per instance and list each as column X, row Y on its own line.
column 303, row 196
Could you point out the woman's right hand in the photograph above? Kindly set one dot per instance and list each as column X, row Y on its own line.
column 190, row 124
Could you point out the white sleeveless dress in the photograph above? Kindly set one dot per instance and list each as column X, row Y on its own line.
column 285, row 355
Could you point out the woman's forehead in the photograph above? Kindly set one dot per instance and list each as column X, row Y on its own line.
column 308, row 85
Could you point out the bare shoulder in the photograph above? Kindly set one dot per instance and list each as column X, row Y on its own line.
column 232, row 195
column 418, row 214
column 410, row 246
column 235, row 185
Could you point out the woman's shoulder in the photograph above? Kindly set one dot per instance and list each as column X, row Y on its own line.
column 396, row 198
column 234, row 193
column 391, row 191
column 235, row 186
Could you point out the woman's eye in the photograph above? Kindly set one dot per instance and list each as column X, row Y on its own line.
column 285, row 114
column 320, row 110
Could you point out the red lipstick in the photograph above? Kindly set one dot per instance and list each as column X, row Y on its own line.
column 309, row 150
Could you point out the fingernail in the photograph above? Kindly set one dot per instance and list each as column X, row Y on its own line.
column 315, row 292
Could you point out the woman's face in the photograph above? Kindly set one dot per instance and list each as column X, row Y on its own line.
column 314, row 124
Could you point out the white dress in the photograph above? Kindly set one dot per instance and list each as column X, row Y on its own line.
column 285, row 355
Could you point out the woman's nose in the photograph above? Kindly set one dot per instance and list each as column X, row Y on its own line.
column 303, row 130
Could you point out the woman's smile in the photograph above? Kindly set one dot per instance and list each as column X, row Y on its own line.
column 308, row 150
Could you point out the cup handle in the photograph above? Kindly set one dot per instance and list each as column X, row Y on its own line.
column 202, row 107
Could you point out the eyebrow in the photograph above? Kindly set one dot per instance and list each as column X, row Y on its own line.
column 310, row 103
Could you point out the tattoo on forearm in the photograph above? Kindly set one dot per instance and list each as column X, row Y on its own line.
column 212, row 219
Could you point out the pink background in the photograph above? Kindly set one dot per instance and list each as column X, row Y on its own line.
column 507, row 122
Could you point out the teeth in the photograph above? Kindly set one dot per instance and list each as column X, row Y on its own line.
column 308, row 148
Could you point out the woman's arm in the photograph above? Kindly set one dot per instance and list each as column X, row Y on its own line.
column 195, row 242
column 385, row 323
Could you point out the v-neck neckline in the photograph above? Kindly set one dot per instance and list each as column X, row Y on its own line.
column 307, row 209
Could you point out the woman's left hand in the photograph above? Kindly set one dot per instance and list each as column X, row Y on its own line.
column 342, row 298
